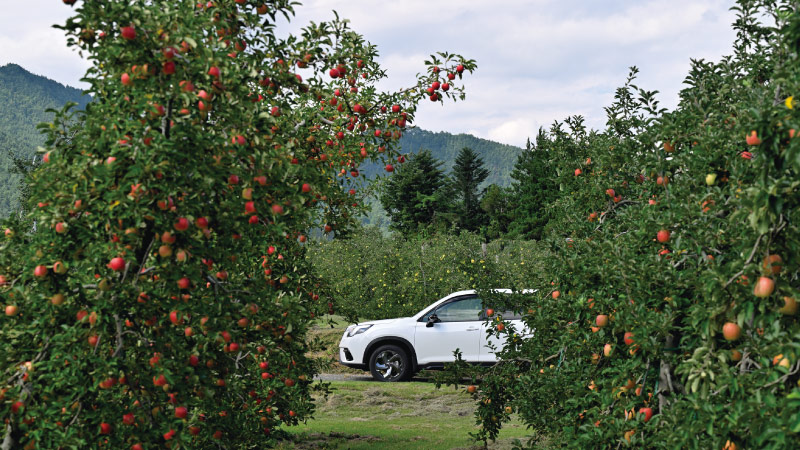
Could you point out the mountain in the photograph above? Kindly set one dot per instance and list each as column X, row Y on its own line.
column 498, row 158
column 25, row 97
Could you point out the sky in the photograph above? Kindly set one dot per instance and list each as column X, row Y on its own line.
column 538, row 60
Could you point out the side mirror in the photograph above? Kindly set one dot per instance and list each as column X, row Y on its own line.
column 432, row 320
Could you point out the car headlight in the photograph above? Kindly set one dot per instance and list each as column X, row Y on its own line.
column 358, row 329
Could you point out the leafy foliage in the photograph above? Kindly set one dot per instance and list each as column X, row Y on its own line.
column 372, row 276
column 671, row 321
column 162, row 294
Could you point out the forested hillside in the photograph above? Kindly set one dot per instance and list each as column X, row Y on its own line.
column 498, row 158
column 26, row 97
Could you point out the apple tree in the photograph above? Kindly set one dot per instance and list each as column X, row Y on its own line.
column 162, row 295
column 668, row 315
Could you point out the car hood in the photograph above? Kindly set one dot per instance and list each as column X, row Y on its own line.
column 384, row 321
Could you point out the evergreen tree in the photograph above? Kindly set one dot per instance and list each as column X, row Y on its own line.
column 532, row 190
column 468, row 174
column 416, row 195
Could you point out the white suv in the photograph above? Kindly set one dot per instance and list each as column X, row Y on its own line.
column 395, row 349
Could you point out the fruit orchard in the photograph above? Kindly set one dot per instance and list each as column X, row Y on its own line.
column 670, row 318
column 159, row 294
column 383, row 277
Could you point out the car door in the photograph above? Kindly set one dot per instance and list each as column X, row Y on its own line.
column 490, row 344
column 458, row 327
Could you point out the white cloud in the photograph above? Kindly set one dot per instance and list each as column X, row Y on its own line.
column 538, row 60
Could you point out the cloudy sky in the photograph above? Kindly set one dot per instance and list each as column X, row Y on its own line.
column 538, row 60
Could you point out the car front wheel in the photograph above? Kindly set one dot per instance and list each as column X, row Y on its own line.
column 389, row 363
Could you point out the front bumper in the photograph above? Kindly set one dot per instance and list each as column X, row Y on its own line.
column 346, row 359
column 351, row 351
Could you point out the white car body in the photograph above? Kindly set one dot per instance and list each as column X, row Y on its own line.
column 429, row 345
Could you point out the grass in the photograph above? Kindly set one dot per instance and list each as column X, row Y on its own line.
column 372, row 415
column 330, row 337
column 398, row 416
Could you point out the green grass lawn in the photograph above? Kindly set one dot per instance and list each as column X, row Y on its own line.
column 372, row 415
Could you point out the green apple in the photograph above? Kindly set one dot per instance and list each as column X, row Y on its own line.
column 711, row 179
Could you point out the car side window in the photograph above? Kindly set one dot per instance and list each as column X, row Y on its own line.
column 459, row 310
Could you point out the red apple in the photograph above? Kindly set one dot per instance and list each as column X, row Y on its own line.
column 663, row 236
column 648, row 413
column 181, row 412
column 182, row 224
column 117, row 264
column 159, row 380
column 105, row 428
column 601, row 320
column 40, row 271
column 126, row 80
column 764, row 287
column 214, row 71
column 184, row 283
column 752, row 138
column 628, row 338
column 128, row 33
column 11, row 310
column 731, row 331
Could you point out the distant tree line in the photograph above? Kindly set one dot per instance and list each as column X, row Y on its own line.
column 421, row 198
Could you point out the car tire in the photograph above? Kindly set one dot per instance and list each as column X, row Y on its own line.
column 390, row 363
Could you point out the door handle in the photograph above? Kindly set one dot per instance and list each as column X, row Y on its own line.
column 473, row 329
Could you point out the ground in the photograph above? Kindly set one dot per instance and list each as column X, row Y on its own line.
column 365, row 414
column 411, row 415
